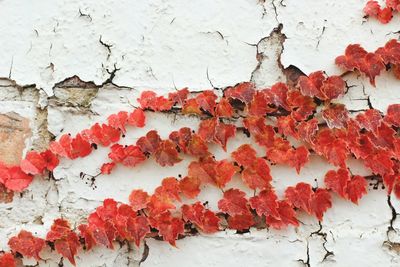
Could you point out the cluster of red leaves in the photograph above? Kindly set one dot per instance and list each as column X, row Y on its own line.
column 18, row 178
column 345, row 185
column 370, row 137
column 383, row 14
column 372, row 64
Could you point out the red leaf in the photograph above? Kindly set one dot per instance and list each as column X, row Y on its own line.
column 298, row 157
column 300, row 196
column 353, row 57
column 263, row 134
column 242, row 91
column 336, row 116
column 66, row 242
column 213, row 130
column 79, row 147
column 166, row 154
column 234, row 202
column 7, row 260
column 224, row 172
column 159, row 204
column 138, row 227
column 259, row 105
column 33, row 163
column 206, row 101
column 286, row 217
column 138, row 199
column 265, row 203
column 257, row 175
column 287, row 126
column 245, row 155
column 372, row 8
column 26, row 244
column 333, row 148
column 137, row 118
column 277, row 95
column 390, row 53
column 320, row 202
column 86, row 232
column 337, row 181
column 356, row 188
column 102, row 135
column 179, row 96
column 150, row 142
column 14, row 178
column 393, row 115
column 127, row 155
column 118, row 121
column 190, row 186
column 380, row 163
column 203, row 218
column 149, row 99
column 106, row 168
column 224, row 109
column 168, row 227
column 307, row 130
column 241, row 222
column 169, row 188
column 301, row 106
column 191, row 106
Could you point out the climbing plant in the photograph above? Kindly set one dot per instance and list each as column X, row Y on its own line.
column 274, row 117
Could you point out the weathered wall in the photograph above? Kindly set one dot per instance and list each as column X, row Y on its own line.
column 123, row 47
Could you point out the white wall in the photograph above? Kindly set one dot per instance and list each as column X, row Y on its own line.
column 162, row 44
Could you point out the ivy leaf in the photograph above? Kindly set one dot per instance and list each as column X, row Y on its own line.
column 300, row 196
column 393, row 115
column 206, row 101
column 66, row 242
column 242, row 91
column 224, row 109
column 245, row 155
column 263, row 134
column 265, row 203
column 166, row 154
column 138, row 199
column 14, row 178
column 150, row 142
column 179, row 96
column 137, row 228
column 150, row 100
column 168, row 227
column 337, row 181
column 287, row 216
column 190, row 186
column 241, row 222
column 233, row 202
column 127, row 155
column 307, row 130
column 336, row 116
column 26, row 244
column 204, row 219
column 356, row 188
column 100, row 134
column 107, row 168
column 169, row 188
column 320, row 202
column 7, row 260
column 137, row 118
column 257, row 175
column 118, row 121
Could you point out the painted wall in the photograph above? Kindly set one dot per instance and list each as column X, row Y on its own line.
column 69, row 64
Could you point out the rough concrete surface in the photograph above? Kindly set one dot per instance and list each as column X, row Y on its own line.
column 68, row 64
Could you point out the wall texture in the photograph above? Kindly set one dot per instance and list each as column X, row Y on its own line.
column 68, row 64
